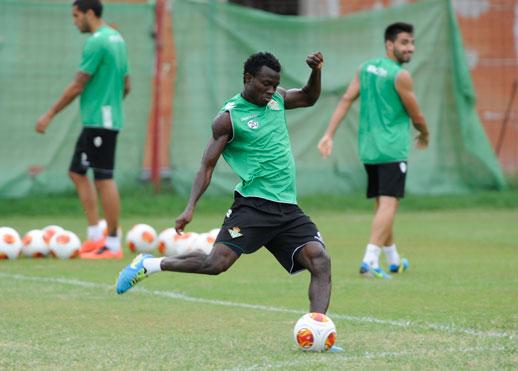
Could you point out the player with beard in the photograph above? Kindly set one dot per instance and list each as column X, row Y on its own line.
column 387, row 104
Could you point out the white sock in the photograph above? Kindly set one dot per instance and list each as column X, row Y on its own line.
column 152, row 265
column 113, row 243
column 94, row 232
column 391, row 254
column 372, row 255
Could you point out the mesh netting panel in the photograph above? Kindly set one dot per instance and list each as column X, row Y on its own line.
column 214, row 39
column 40, row 51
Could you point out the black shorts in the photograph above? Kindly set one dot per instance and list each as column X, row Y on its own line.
column 282, row 228
column 386, row 179
column 95, row 149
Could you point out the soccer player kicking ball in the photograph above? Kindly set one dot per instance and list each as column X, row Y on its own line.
column 250, row 132
column 387, row 101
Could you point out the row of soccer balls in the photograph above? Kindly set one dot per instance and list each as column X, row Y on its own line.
column 144, row 238
column 56, row 241
column 38, row 243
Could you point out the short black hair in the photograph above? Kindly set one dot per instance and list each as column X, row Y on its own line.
column 85, row 5
column 254, row 63
column 394, row 29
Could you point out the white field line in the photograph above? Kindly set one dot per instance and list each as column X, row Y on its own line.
column 341, row 358
column 448, row 328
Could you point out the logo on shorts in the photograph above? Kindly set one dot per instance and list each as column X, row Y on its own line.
column 98, row 141
column 402, row 166
column 229, row 212
column 84, row 159
column 235, row 232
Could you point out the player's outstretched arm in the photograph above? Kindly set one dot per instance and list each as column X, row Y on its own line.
column 325, row 146
column 404, row 87
column 73, row 89
column 308, row 95
column 221, row 134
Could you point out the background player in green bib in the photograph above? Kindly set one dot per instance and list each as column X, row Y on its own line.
column 102, row 82
column 251, row 133
column 387, row 104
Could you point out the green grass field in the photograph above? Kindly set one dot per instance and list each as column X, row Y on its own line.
column 456, row 308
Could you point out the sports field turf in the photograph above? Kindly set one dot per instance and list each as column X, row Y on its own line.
column 456, row 308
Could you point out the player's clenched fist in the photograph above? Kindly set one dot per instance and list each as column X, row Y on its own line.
column 315, row 60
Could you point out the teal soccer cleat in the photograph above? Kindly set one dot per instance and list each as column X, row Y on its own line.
column 370, row 272
column 132, row 274
column 401, row 267
column 336, row 349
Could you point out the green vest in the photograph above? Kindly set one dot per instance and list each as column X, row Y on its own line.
column 260, row 151
column 384, row 130
column 105, row 59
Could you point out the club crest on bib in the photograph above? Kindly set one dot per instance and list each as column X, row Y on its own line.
column 253, row 124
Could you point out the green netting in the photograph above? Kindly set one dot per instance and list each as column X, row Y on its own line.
column 214, row 39
column 40, row 50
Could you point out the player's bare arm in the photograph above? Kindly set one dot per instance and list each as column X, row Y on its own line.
column 404, row 87
column 325, row 146
column 221, row 134
column 74, row 89
column 127, row 85
column 308, row 95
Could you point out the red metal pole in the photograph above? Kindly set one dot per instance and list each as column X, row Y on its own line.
column 155, row 132
column 507, row 115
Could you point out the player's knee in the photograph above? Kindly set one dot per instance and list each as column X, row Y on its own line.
column 317, row 258
column 323, row 263
column 76, row 177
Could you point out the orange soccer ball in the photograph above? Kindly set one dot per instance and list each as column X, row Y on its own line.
column 315, row 332
column 142, row 238
column 10, row 243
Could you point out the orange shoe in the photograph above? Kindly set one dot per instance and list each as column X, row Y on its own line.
column 91, row 245
column 102, row 253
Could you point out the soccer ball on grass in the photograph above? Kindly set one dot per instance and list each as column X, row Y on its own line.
column 65, row 245
column 203, row 243
column 315, row 332
column 34, row 245
column 166, row 241
column 10, row 243
column 142, row 238
column 49, row 231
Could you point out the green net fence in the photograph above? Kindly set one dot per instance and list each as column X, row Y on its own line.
column 213, row 40
column 40, row 51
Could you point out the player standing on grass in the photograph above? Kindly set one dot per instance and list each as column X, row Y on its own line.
column 387, row 101
column 251, row 133
column 102, row 82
